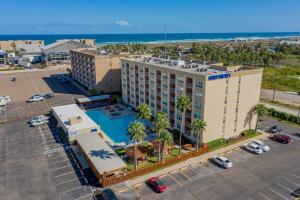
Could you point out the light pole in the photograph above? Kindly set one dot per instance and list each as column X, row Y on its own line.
column 274, row 90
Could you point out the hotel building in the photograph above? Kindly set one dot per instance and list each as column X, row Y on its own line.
column 222, row 96
column 94, row 69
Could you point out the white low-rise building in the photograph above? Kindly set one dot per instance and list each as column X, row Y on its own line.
column 74, row 121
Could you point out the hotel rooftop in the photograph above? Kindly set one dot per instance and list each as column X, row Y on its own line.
column 194, row 67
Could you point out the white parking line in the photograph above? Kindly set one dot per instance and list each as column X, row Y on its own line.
column 174, row 179
column 72, row 171
column 284, row 187
column 296, row 176
column 52, row 170
column 264, row 196
column 84, row 196
column 291, row 182
column 54, row 163
column 77, row 178
column 277, row 193
column 72, row 189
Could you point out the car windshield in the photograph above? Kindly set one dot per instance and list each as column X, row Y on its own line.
column 227, row 161
column 159, row 182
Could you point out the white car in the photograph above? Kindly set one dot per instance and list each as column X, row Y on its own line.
column 35, row 123
column 222, row 161
column 254, row 148
column 35, row 98
column 5, row 98
column 3, row 102
column 261, row 145
column 40, row 117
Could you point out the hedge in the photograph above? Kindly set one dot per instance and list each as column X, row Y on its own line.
column 283, row 116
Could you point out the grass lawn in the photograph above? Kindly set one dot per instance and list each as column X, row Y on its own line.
column 287, row 78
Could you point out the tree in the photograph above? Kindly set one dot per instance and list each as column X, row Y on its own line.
column 165, row 138
column 261, row 110
column 160, row 124
column 198, row 125
column 144, row 112
column 136, row 133
column 93, row 92
column 183, row 103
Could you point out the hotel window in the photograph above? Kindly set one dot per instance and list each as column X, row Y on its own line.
column 179, row 117
column 180, row 81
column 198, row 84
column 197, row 115
column 198, row 105
column 165, row 110
column 178, row 126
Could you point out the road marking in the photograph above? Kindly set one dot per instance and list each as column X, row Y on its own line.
column 77, row 178
column 185, row 175
column 54, row 163
column 284, row 187
column 264, row 196
column 296, row 176
column 277, row 193
column 291, row 182
column 173, row 172
column 72, row 171
column 210, row 170
column 72, row 189
column 84, row 196
column 175, row 180
column 229, row 151
column 162, row 176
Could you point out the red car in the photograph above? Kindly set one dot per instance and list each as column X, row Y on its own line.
column 156, row 184
column 282, row 138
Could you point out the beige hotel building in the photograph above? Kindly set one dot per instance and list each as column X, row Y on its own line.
column 94, row 69
column 222, row 96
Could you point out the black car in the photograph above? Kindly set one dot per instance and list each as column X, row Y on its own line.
column 108, row 194
column 275, row 129
column 14, row 79
column 296, row 193
column 48, row 95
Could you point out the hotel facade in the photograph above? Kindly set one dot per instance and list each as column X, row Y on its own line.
column 222, row 96
column 93, row 69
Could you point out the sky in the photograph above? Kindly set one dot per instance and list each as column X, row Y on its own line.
column 148, row 16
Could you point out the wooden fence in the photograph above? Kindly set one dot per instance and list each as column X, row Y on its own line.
column 108, row 181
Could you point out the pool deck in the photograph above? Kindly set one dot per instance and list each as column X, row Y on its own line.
column 116, row 111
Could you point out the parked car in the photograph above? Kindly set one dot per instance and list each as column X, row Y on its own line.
column 108, row 194
column 297, row 134
column 35, row 98
column 38, row 122
column 222, row 161
column 254, row 148
column 282, row 138
column 261, row 145
column 275, row 129
column 40, row 117
column 14, row 79
column 156, row 184
column 296, row 193
column 6, row 98
column 48, row 95
column 3, row 102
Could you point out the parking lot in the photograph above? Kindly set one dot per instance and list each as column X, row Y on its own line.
column 35, row 164
column 270, row 176
column 30, row 83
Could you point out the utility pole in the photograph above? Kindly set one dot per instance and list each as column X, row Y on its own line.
column 165, row 33
column 275, row 83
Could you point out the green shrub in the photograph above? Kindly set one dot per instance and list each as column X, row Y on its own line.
column 249, row 132
column 283, row 116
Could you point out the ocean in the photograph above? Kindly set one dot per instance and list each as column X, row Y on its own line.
column 152, row 38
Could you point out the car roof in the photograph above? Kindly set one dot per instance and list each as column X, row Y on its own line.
column 253, row 145
column 257, row 141
column 222, row 158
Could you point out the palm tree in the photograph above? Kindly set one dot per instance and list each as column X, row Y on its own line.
column 183, row 103
column 261, row 110
column 198, row 125
column 165, row 138
column 144, row 113
column 136, row 132
column 160, row 124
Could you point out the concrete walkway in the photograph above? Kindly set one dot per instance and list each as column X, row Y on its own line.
column 282, row 109
column 202, row 158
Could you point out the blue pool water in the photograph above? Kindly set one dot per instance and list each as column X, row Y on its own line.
column 116, row 129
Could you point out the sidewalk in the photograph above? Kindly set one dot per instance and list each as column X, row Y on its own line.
column 203, row 158
column 282, row 109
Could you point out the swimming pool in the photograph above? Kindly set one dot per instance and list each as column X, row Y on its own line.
column 115, row 129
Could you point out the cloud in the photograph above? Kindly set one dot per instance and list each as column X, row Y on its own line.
column 122, row 23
